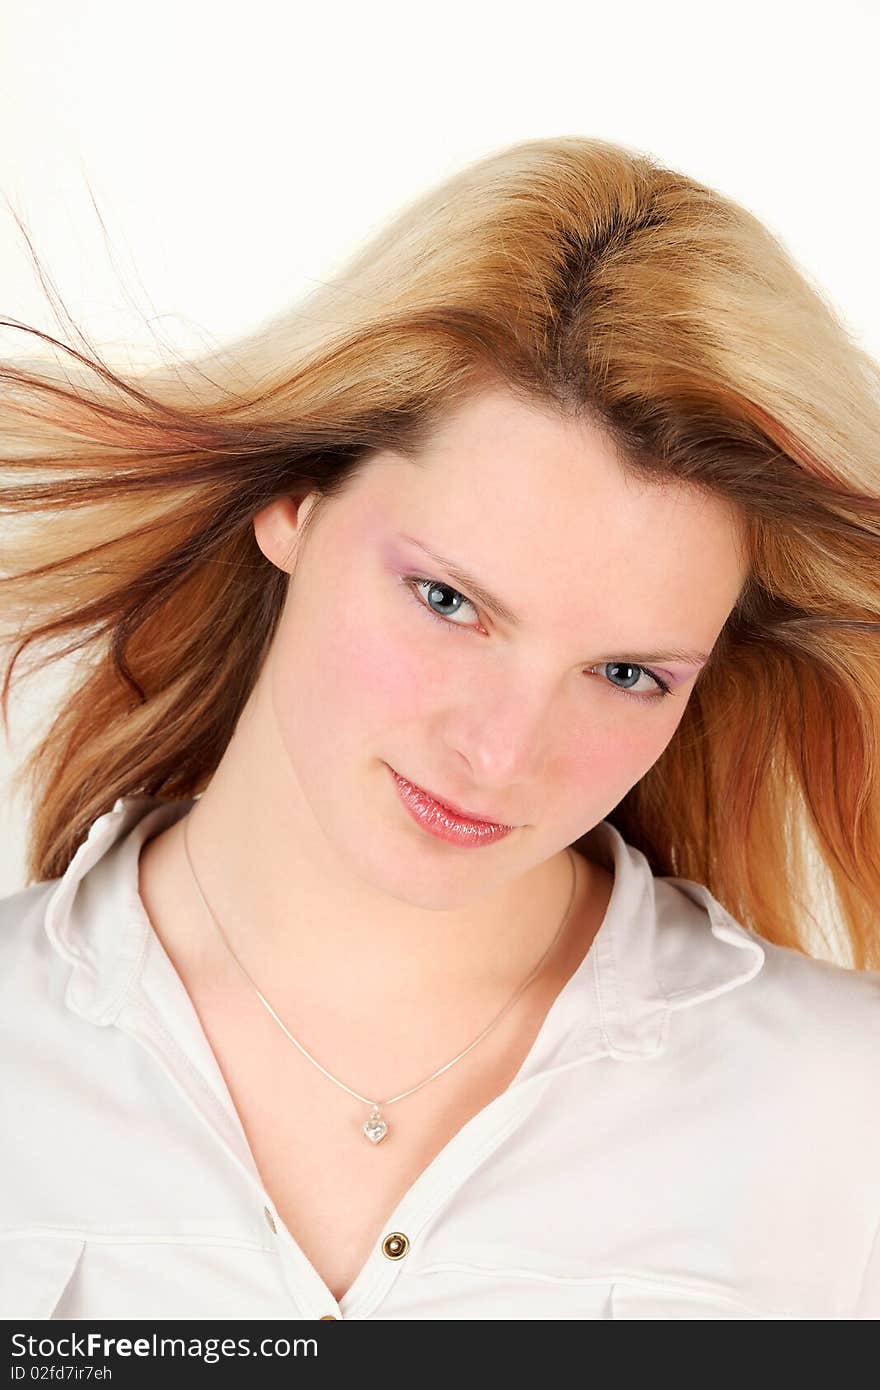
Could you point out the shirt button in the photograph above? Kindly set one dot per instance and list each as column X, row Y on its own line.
column 268, row 1215
column 328, row 1317
column 395, row 1245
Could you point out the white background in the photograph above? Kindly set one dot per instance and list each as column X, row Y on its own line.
column 237, row 154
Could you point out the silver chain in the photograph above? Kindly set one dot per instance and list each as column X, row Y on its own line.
column 375, row 1105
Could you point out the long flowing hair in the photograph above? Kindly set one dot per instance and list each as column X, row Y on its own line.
column 583, row 276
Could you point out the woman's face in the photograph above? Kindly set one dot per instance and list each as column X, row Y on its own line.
column 385, row 656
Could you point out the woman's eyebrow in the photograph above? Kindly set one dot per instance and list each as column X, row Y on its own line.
column 495, row 605
column 467, row 581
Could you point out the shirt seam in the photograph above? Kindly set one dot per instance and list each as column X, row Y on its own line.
column 131, row 1237
column 638, row 1282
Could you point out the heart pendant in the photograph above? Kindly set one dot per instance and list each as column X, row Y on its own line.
column 375, row 1128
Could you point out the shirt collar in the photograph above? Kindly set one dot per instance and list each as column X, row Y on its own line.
column 665, row 944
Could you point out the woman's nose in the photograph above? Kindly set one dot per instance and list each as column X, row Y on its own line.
column 505, row 736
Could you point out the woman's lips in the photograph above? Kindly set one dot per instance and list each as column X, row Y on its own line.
column 441, row 821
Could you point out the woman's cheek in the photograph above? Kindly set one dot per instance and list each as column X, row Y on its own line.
column 604, row 758
column 378, row 669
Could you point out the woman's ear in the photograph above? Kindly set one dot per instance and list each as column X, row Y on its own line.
column 278, row 527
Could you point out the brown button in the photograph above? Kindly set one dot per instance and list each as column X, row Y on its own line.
column 395, row 1245
column 328, row 1317
column 268, row 1215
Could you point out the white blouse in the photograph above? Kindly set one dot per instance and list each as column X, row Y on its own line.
column 695, row 1132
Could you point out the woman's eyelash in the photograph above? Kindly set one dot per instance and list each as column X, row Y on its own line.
column 412, row 581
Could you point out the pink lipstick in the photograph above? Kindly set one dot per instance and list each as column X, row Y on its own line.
column 442, row 821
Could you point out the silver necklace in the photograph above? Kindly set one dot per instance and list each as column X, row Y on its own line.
column 375, row 1127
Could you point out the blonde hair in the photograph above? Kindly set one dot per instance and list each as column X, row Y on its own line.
column 585, row 277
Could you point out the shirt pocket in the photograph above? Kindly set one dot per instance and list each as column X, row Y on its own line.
column 655, row 1301
column 34, row 1272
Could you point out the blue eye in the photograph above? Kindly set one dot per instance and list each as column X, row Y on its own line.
column 436, row 590
column 659, row 682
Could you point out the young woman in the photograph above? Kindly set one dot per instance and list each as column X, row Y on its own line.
column 481, row 680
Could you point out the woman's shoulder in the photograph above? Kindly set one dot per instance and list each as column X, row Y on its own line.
column 28, row 963
column 22, row 915
column 826, row 992
column 818, row 1022
column 824, row 988
column 790, row 1012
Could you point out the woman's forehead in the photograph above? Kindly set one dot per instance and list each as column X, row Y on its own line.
column 546, row 487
